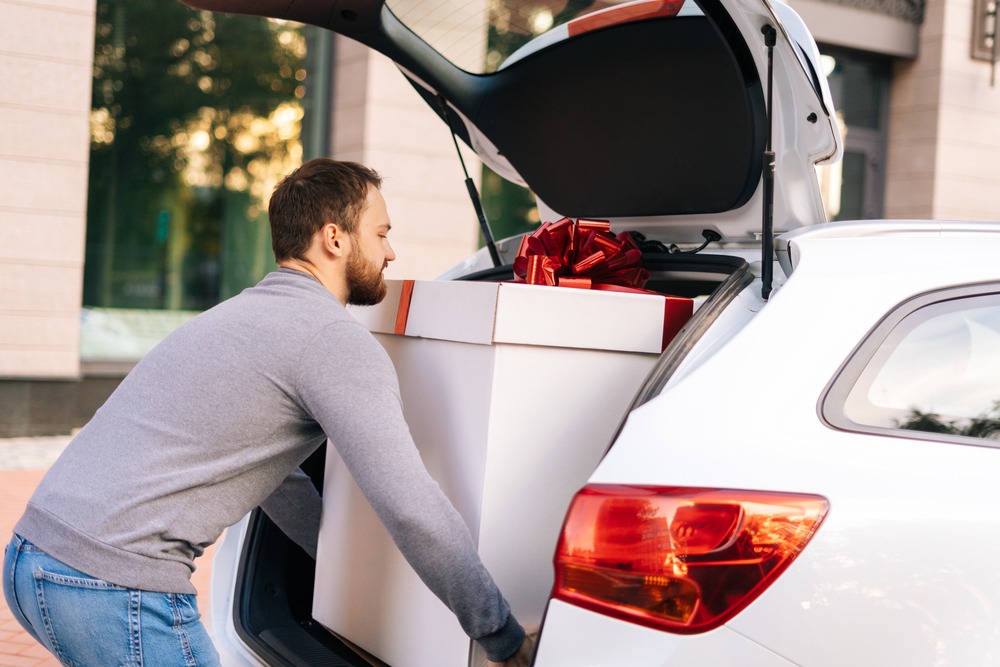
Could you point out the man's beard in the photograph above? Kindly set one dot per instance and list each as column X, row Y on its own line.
column 365, row 284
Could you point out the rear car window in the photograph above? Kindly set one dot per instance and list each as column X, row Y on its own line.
column 480, row 37
column 931, row 369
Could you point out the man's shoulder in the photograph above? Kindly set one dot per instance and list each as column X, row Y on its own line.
column 284, row 291
column 279, row 311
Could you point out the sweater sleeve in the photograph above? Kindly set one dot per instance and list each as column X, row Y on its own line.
column 348, row 384
column 295, row 508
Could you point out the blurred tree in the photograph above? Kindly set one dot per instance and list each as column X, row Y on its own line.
column 985, row 426
column 509, row 207
column 195, row 115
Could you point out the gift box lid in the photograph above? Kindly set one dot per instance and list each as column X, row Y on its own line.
column 487, row 313
column 647, row 112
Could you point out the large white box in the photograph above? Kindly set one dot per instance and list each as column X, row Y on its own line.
column 512, row 394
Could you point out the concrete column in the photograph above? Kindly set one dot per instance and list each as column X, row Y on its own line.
column 46, row 59
column 943, row 127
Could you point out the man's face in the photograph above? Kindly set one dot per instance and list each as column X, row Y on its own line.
column 370, row 253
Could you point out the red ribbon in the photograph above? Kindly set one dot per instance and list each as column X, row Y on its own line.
column 582, row 254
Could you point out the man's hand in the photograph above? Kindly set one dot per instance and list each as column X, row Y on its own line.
column 522, row 658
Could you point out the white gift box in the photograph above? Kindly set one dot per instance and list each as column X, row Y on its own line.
column 512, row 393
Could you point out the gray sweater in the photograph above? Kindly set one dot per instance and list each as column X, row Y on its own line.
column 216, row 420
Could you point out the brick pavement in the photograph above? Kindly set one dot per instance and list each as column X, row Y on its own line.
column 23, row 462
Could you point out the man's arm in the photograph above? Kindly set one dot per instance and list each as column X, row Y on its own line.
column 348, row 384
column 295, row 508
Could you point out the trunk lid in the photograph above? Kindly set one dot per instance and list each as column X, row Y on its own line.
column 651, row 113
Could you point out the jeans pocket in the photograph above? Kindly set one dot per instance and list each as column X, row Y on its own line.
column 187, row 608
column 88, row 621
column 197, row 646
column 93, row 622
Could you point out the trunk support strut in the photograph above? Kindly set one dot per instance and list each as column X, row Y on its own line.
column 484, row 224
column 767, row 231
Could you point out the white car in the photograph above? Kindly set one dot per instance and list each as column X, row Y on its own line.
column 805, row 477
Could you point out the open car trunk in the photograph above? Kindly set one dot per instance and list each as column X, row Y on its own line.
column 273, row 606
column 656, row 115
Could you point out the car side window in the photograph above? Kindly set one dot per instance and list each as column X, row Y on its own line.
column 931, row 368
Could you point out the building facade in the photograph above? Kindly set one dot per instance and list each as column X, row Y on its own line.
column 918, row 112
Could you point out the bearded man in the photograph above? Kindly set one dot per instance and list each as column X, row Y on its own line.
column 215, row 421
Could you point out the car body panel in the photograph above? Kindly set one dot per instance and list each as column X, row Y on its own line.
column 575, row 637
column 225, row 570
column 902, row 569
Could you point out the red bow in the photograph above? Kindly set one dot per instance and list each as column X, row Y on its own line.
column 583, row 254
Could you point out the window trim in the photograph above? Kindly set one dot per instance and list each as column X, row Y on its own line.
column 833, row 400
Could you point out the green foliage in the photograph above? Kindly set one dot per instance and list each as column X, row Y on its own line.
column 186, row 106
column 985, row 426
column 156, row 64
column 510, row 208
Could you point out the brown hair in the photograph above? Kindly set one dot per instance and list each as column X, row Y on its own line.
column 320, row 191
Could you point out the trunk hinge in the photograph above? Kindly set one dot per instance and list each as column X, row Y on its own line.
column 484, row 224
column 767, row 232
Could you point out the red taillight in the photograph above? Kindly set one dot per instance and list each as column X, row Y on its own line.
column 678, row 559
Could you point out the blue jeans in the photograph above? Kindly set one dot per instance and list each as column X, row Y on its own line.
column 87, row 622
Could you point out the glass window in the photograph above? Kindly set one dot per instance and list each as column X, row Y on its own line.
column 195, row 116
column 859, row 84
column 936, row 370
column 479, row 36
column 509, row 207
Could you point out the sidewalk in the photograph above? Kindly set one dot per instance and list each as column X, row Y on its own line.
column 23, row 462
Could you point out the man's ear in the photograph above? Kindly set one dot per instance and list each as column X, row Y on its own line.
column 334, row 239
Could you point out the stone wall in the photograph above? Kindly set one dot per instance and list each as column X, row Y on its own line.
column 46, row 55
column 943, row 129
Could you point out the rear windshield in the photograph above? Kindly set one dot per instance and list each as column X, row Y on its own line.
column 481, row 36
